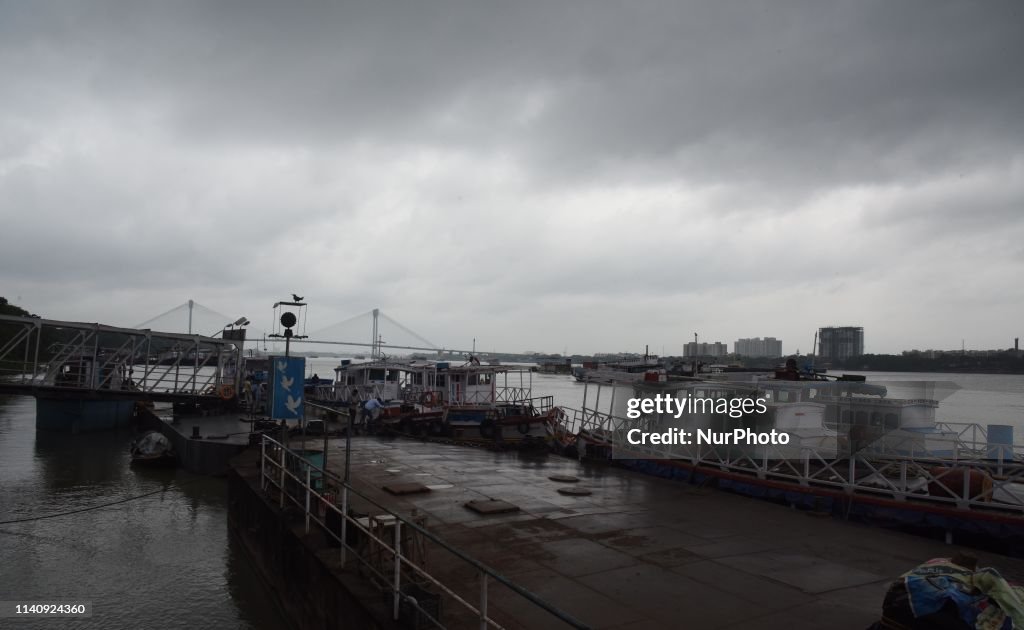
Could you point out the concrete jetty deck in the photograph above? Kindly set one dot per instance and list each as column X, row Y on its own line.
column 640, row 552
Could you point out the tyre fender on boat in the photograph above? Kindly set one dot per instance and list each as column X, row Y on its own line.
column 523, row 427
column 949, row 482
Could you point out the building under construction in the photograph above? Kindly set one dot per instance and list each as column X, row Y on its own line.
column 838, row 343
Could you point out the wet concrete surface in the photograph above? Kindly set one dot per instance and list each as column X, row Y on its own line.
column 639, row 552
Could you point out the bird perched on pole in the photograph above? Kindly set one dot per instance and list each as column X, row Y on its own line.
column 297, row 298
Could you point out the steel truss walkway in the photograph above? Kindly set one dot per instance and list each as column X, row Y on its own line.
column 42, row 357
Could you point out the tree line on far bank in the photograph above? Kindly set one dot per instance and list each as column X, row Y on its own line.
column 995, row 362
column 999, row 362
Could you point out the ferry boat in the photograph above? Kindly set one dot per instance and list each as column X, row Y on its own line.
column 468, row 401
column 646, row 368
column 872, row 420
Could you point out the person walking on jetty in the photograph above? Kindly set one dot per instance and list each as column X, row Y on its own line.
column 370, row 411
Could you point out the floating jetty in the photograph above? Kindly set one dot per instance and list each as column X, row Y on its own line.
column 204, row 444
column 538, row 540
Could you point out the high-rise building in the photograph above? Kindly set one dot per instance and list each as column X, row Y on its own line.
column 702, row 349
column 838, row 343
column 757, row 347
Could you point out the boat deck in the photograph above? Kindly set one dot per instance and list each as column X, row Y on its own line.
column 639, row 551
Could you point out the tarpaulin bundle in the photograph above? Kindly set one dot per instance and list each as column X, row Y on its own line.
column 949, row 593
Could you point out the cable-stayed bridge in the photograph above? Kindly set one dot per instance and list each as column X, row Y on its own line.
column 373, row 329
column 78, row 359
column 378, row 331
column 189, row 317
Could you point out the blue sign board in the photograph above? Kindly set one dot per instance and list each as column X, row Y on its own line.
column 286, row 392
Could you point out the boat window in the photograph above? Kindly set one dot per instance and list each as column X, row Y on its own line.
column 376, row 374
column 442, row 380
column 846, row 416
column 862, row 417
column 783, row 396
column 876, row 419
column 892, row 421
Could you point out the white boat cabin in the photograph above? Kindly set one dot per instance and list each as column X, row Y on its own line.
column 431, row 383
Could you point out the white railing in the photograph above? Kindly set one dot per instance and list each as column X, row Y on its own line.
column 512, row 394
column 295, row 480
column 967, row 480
column 70, row 356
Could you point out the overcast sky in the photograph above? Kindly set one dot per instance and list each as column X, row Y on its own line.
column 581, row 176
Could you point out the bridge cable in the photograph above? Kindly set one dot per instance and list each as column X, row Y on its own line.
column 321, row 331
column 164, row 314
column 393, row 322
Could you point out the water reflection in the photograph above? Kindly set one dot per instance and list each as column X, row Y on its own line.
column 164, row 560
column 89, row 462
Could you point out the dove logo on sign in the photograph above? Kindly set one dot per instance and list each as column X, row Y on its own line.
column 286, row 398
column 286, row 381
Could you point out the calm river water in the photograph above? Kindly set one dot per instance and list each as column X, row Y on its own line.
column 163, row 561
column 167, row 561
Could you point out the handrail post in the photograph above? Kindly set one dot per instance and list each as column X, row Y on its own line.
column 344, row 522
column 281, row 488
column 398, row 567
column 483, row 600
column 308, row 490
column 263, row 464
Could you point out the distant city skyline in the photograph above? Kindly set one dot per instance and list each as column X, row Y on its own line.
column 758, row 347
column 209, row 322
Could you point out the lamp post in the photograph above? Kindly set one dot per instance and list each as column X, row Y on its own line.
column 288, row 320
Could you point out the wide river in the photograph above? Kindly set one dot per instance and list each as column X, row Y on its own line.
column 167, row 561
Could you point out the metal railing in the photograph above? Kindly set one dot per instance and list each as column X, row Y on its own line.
column 513, row 394
column 47, row 354
column 295, row 480
column 970, row 477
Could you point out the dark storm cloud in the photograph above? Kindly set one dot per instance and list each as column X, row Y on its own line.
column 817, row 92
column 481, row 157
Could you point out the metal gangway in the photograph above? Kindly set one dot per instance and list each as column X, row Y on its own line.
column 87, row 360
